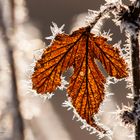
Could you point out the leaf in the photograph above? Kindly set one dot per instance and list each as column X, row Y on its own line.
column 86, row 88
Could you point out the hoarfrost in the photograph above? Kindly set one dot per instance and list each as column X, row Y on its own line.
column 55, row 30
column 85, row 125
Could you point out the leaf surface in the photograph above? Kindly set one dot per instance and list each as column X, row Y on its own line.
column 86, row 87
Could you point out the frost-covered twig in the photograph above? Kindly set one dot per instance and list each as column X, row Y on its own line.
column 95, row 16
column 131, row 21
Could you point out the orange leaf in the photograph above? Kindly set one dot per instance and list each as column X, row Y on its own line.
column 86, row 87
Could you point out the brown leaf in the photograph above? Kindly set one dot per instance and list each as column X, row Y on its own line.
column 86, row 87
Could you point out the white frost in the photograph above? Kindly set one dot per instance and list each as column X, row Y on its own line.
column 86, row 126
column 63, row 83
column 55, row 30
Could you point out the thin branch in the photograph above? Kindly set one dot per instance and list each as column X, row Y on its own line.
column 134, row 38
column 108, row 8
column 136, row 79
column 132, row 19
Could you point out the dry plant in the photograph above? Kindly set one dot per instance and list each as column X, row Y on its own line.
column 84, row 51
column 79, row 50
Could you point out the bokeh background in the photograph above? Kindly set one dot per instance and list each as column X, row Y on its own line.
column 24, row 24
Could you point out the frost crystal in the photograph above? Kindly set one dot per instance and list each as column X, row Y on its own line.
column 127, row 57
column 63, row 83
column 106, row 35
column 30, row 71
column 112, row 1
column 38, row 53
column 129, row 115
column 91, row 16
column 55, row 30
column 30, row 91
column 89, row 128
column 129, row 17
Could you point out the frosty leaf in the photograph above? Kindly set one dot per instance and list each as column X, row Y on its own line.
column 55, row 60
column 109, row 57
column 86, row 88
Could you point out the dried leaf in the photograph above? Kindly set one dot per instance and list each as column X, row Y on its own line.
column 86, row 87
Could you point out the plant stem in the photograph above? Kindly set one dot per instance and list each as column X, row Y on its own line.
column 131, row 17
column 134, row 38
column 136, row 80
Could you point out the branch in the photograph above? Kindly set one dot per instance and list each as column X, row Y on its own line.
column 135, row 72
column 131, row 19
column 134, row 38
column 108, row 8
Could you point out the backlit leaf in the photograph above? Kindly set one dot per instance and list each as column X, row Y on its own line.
column 86, row 87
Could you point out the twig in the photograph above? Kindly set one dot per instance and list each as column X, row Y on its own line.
column 132, row 17
column 135, row 66
column 135, row 71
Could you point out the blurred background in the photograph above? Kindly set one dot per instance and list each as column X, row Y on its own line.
column 24, row 24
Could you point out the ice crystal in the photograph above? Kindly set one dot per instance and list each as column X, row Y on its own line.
column 85, row 125
column 112, row 1
column 63, row 83
column 55, row 30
